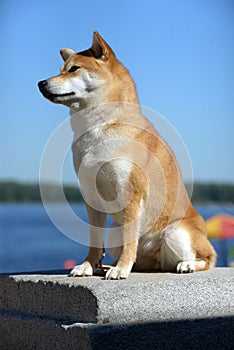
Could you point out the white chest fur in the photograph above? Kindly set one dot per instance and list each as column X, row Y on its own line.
column 102, row 171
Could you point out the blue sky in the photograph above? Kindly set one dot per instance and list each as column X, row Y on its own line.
column 180, row 54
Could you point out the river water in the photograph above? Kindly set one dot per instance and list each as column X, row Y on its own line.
column 30, row 242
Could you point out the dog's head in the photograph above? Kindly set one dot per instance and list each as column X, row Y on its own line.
column 83, row 76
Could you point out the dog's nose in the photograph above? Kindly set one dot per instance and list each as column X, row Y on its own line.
column 42, row 84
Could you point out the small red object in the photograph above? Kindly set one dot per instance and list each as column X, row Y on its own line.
column 69, row 264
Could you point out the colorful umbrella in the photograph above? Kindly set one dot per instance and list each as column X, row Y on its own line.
column 220, row 226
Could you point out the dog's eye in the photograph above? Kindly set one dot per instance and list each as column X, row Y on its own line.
column 73, row 69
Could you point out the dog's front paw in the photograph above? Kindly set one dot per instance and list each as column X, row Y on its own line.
column 117, row 273
column 82, row 270
column 186, row 267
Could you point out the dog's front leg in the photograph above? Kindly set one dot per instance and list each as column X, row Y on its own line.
column 128, row 254
column 97, row 226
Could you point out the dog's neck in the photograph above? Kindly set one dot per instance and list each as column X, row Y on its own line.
column 101, row 115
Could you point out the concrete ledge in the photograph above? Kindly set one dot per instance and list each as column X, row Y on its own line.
column 175, row 311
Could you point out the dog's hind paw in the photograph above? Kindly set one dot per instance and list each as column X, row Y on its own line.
column 186, row 267
column 82, row 270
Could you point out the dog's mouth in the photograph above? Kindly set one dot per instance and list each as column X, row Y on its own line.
column 43, row 87
column 51, row 96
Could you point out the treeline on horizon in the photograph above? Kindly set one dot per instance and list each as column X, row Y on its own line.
column 11, row 192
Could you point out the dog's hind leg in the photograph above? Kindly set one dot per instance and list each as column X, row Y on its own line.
column 185, row 247
column 205, row 256
column 97, row 226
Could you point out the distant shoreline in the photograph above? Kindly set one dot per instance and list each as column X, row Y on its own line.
column 19, row 192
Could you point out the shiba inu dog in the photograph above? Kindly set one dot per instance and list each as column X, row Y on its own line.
column 126, row 170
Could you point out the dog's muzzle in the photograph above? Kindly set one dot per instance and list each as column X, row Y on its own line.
column 43, row 87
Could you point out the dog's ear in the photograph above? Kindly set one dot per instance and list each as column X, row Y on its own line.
column 100, row 48
column 66, row 53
